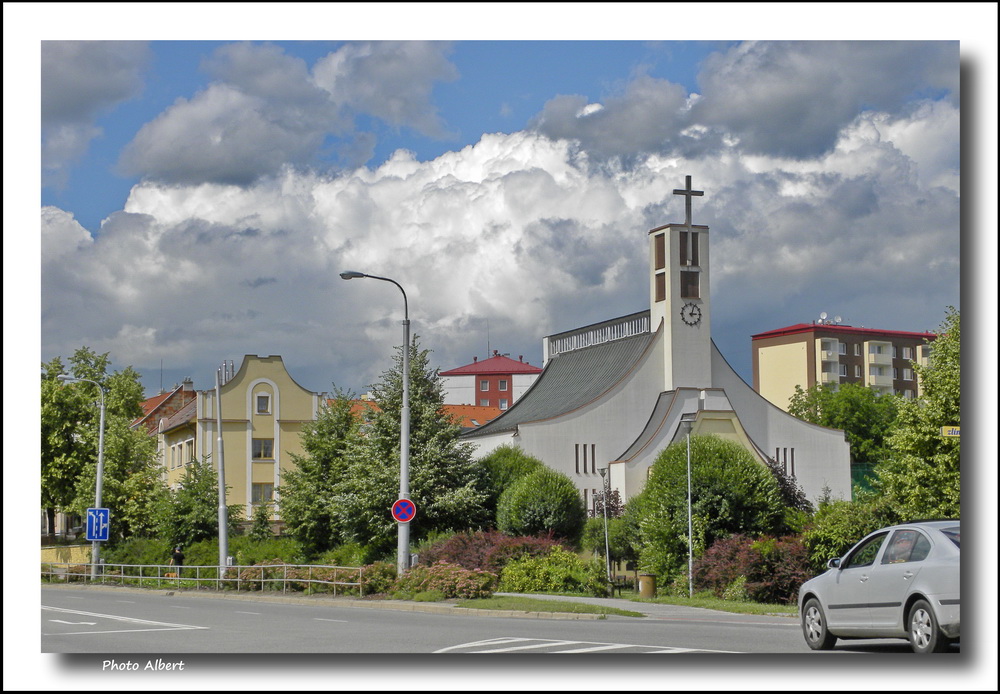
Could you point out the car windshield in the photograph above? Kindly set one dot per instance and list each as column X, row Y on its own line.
column 954, row 534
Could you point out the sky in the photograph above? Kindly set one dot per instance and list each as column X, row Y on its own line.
column 198, row 197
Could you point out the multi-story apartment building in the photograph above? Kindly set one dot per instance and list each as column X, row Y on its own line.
column 494, row 382
column 829, row 353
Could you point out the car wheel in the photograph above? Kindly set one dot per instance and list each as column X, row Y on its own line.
column 814, row 627
column 925, row 636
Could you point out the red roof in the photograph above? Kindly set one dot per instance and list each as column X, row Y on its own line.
column 847, row 329
column 466, row 415
column 497, row 364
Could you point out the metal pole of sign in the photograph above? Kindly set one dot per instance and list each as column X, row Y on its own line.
column 403, row 545
column 220, row 464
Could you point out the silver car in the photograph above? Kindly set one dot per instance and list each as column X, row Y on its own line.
column 898, row 582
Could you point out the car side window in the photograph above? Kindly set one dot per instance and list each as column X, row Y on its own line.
column 865, row 554
column 905, row 546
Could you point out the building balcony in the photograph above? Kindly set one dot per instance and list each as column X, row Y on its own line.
column 829, row 377
column 876, row 381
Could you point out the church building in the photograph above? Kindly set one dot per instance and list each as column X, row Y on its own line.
column 616, row 393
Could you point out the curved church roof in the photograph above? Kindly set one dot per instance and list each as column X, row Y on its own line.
column 571, row 380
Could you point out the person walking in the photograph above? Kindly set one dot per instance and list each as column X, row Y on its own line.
column 177, row 559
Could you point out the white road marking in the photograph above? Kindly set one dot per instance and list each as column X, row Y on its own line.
column 154, row 626
column 242, row 612
column 324, row 619
column 507, row 645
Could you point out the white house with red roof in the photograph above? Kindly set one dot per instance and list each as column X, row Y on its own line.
column 494, row 382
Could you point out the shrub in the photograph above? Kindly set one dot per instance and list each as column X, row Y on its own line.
column 450, row 580
column 349, row 554
column 136, row 551
column 731, row 492
column 488, row 550
column 558, row 571
column 768, row 569
column 378, row 577
column 838, row 524
column 542, row 501
column 505, row 465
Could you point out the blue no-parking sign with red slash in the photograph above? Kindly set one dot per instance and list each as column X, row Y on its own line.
column 404, row 510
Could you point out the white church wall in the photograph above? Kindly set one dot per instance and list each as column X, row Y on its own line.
column 822, row 458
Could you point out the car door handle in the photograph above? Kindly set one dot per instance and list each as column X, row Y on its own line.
column 863, row 578
column 908, row 575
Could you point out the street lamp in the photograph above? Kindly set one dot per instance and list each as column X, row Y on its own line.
column 95, row 552
column 403, row 544
column 604, row 503
column 688, row 422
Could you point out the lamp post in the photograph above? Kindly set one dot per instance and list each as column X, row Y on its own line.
column 403, row 544
column 604, row 503
column 688, row 422
column 95, row 552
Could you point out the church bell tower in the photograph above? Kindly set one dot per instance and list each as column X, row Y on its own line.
column 679, row 297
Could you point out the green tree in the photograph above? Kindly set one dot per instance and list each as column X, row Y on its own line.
column 839, row 524
column 922, row 476
column 446, row 485
column 503, row 466
column 731, row 492
column 866, row 416
column 70, row 429
column 307, row 491
column 540, row 502
column 193, row 512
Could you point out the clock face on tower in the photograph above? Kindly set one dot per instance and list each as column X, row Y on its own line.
column 690, row 314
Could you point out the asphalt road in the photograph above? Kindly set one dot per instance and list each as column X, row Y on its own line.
column 110, row 620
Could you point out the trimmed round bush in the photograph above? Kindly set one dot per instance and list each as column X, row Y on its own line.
column 542, row 501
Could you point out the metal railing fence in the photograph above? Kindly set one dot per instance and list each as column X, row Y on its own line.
column 286, row 577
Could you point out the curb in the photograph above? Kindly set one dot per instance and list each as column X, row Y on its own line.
column 398, row 605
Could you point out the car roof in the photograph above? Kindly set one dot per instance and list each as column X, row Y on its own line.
column 928, row 523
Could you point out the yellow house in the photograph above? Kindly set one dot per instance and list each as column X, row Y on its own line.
column 263, row 411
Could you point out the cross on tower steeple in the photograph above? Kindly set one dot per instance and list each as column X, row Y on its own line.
column 687, row 193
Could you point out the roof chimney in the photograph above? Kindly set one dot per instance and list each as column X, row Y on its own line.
column 475, row 359
column 520, row 357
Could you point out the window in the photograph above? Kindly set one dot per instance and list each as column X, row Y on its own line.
column 895, row 374
column 865, row 554
column 907, row 353
column 842, row 348
column 503, row 404
column 690, row 284
column 659, row 252
column 894, row 352
column 906, row 545
column 857, row 370
column 263, row 449
column 857, row 350
column 907, row 374
column 689, row 248
column 484, row 402
column 263, row 403
column 503, row 384
column 843, row 369
column 661, row 287
column 484, row 386
column 262, row 493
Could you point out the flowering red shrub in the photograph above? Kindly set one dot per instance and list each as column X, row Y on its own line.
column 488, row 550
column 450, row 580
column 773, row 568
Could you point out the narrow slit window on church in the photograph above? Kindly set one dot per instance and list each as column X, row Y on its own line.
column 660, row 252
column 661, row 287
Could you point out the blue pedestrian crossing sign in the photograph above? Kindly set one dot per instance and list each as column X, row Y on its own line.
column 98, row 522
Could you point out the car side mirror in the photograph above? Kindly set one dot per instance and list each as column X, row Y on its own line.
column 833, row 563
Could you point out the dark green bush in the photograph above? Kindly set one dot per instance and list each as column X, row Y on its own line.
column 541, row 502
